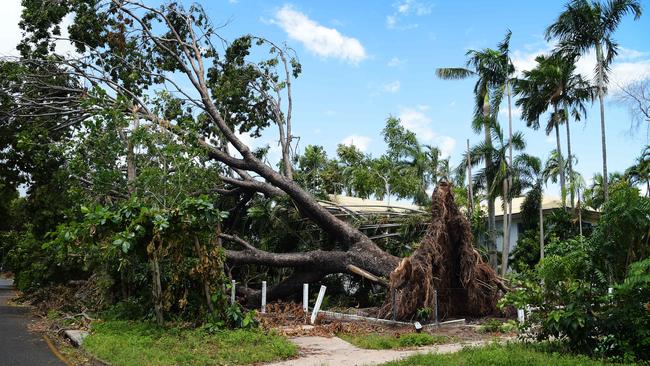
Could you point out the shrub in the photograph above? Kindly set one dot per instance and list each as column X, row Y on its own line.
column 569, row 287
column 497, row 326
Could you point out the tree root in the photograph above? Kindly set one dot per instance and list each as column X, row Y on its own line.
column 447, row 263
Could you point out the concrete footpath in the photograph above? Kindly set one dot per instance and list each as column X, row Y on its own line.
column 318, row 351
column 19, row 346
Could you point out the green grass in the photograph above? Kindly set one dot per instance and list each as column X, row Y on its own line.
column 382, row 341
column 495, row 354
column 123, row 343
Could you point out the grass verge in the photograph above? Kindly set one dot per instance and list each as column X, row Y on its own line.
column 123, row 343
column 385, row 341
column 498, row 354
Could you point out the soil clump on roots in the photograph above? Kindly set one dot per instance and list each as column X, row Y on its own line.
column 447, row 262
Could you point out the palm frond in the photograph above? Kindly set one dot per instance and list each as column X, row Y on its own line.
column 454, row 73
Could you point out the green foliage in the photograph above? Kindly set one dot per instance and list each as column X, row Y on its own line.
column 567, row 302
column 35, row 265
column 496, row 354
column 622, row 235
column 317, row 173
column 424, row 314
column 406, row 171
column 497, row 326
column 569, row 287
column 559, row 224
column 530, row 208
column 627, row 320
column 235, row 317
column 478, row 224
column 398, row 341
column 124, row 343
column 132, row 308
column 526, row 253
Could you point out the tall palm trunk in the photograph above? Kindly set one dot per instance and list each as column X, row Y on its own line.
column 559, row 157
column 601, row 99
column 505, row 250
column 470, row 182
column 509, row 186
column 492, row 235
column 570, row 157
column 541, row 224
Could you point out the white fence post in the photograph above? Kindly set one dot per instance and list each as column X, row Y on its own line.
column 263, row 297
column 521, row 315
column 305, row 297
column 319, row 301
column 232, row 292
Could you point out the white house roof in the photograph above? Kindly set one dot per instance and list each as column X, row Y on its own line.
column 368, row 205
column 548, row 203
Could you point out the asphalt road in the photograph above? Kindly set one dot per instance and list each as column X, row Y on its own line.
column 18, row 346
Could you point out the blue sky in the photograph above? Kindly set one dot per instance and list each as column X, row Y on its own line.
column 344, row 94
column 364, row 61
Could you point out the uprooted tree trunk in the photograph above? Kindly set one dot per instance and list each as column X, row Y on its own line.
column 445, row 261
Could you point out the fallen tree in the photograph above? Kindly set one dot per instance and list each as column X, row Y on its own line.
column 209, row 102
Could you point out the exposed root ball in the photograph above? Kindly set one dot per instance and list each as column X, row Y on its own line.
column 445, row 261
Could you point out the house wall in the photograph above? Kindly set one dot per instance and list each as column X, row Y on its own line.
column 514, row 233
column 514, row 229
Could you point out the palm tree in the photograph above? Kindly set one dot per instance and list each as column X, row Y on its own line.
column 491, row 69
column 584, row 25
column 578, row 185
column 531, row 175
column 444, row 171
column 555, row 167
column 594, row 195
column 639, row 173
column 421, row 162
column 502, row 172
column 553, row 84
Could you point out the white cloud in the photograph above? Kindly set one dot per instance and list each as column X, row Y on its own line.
column 360, row 142
column 395, row 61
column 415, row 120
column 323, row 41
column 404, row 9
column 627, row 54
column 516, row 112
column 629, row 66
column 392, row 87
column 391, row 21
column 626, row 72
column 636, row 66
column 9, row 32
column 525, row 60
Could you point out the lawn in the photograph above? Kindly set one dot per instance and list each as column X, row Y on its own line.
column 123, row 343
column 495, row 354
column 385, row 341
